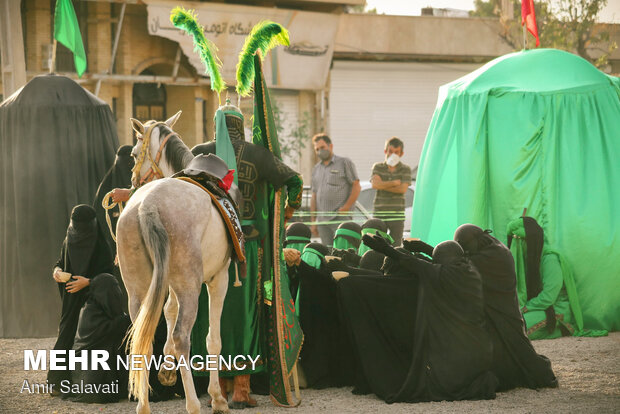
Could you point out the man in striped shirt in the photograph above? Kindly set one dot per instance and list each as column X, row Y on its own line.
column 391, row 179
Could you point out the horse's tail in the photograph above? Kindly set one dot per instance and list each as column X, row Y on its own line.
column 143, row 330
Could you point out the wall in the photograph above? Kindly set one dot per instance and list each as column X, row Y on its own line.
column 440, row 38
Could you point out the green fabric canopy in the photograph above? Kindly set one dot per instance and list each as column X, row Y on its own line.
column 537, row 129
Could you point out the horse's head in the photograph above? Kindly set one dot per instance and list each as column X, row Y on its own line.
column 151, row 160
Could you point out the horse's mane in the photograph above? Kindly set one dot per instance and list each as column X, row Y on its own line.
column 178, row 155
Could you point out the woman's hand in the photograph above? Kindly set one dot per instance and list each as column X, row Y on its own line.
column 56, row 274
column 292, row 257
column 78, row 283
column 121, row 195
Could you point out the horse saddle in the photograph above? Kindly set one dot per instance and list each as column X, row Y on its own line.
column 208, row 172
column 212, row 168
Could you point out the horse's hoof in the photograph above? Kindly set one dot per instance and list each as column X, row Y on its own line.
column 238, row 405
column 219, row 407
column 167, row 377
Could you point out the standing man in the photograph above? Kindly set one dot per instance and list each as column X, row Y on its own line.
column 391, row 179
column 335, row 188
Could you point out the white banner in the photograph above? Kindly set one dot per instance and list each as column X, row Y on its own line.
column 303, row 65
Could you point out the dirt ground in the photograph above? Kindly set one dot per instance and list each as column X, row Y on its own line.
column 588, row 370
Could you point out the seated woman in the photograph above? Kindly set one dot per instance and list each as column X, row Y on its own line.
column 102, row 326
column 545, row 285
column 297, row 236
column 323, row 357
column 515, row 361
column 84, row 254
column 436, row 349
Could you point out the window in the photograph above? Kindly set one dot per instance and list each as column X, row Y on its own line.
column 149, row 100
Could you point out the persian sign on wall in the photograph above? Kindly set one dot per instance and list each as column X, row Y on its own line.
column 303, row 65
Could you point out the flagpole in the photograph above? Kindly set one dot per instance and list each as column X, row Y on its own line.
column 53, row 57
column 524, row 38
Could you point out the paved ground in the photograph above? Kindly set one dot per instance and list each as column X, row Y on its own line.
column 588, row 370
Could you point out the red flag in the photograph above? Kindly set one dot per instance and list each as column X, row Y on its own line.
column 528, row 17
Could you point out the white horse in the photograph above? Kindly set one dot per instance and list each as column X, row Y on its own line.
column 171, row 239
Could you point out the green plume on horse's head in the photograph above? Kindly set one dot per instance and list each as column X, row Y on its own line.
column 186, row 20
column 264, row 36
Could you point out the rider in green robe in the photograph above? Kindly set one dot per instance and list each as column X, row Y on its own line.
column 240, row 324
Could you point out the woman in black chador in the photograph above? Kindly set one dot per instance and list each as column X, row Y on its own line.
column 84, row 255
column 102, row 325
column 515, row 361
column 118, row 176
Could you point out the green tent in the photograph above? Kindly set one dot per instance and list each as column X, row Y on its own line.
column 537, row 129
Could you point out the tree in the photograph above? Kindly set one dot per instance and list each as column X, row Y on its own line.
column 294, row 138
column 562, row 24
column 363, row 8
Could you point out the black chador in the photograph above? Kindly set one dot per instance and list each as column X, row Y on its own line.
column 102, row 326
column 84, row 253
column 118, row 176
column 515, row 362
column 434, row 348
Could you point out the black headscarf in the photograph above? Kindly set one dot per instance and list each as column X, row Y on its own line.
column 297, row 233
column 81, row 237
column 447, row 252
column 375, row 223
column 372, row 260
column 472, row 238
column 105, row 292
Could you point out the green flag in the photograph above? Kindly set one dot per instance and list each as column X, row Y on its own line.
column 67, row 32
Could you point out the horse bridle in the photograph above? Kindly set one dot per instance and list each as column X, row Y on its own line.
column 154, row 172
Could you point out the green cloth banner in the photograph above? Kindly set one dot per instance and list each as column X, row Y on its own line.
column 284, row 335
column 67, row 32
column 224, row 148
column 536, row 129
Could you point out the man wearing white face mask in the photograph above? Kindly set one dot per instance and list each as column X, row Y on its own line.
column 391, row 179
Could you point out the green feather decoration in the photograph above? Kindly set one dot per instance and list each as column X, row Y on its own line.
column 186, row 20
column 264, row 36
